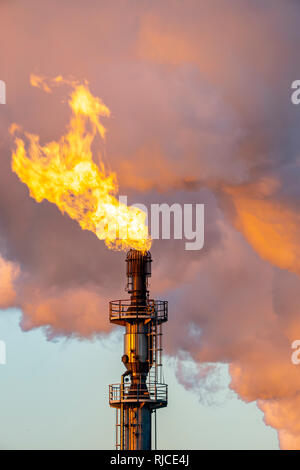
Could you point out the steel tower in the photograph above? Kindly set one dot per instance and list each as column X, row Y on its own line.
column 142, row 389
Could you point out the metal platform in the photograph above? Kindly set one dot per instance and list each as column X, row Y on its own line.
column 121, row 311
column 156, row 395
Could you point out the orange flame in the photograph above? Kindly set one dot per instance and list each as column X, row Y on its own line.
column 65, row 173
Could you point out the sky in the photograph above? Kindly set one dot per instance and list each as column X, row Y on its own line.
column 199, row 95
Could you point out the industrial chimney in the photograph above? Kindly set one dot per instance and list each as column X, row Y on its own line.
column 141, row 390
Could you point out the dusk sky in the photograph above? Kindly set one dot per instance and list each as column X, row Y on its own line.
column 197, row 109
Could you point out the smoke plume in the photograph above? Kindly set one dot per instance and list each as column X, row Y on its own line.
column 199, row 94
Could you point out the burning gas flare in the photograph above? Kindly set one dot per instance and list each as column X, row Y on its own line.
column 65, row 173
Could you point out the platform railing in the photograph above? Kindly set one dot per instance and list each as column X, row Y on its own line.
column 123, row 309
column 155, row 392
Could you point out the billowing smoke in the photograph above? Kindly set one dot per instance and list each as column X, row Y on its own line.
column 201, row 112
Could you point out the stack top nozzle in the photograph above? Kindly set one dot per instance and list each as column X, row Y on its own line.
column 138, row 263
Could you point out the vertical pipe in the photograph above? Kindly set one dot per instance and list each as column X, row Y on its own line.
column 155, row 431
column 137, row 350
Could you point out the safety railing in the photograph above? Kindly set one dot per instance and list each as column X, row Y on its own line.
column 154, row 392
column 124, row 310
